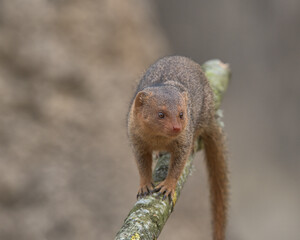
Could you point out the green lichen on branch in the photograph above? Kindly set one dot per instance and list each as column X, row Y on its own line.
column 148, row 216
column 218, row 75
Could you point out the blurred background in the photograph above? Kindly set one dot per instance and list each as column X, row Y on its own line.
column 67, row 72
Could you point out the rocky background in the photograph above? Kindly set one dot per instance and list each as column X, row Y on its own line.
column 67, row 73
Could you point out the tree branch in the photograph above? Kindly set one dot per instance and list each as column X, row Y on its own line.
column 149, row 214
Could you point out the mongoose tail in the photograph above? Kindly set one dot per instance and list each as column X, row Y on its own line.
column 217, row 173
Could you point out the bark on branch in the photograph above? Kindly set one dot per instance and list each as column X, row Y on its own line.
column 149, row 214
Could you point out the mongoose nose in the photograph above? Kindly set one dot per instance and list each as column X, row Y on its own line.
column 176, row 128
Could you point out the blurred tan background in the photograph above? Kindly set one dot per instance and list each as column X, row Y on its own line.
column 67, row 73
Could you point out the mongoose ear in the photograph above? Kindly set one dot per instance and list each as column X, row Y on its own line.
column 141, row 98
column 185, row 96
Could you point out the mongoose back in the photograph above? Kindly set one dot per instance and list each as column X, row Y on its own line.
column 172, row 107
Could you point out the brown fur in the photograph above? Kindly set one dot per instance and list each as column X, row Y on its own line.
column 172, row 107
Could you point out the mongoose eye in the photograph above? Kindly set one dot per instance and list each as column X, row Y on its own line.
column 181, row 115
column 161, row 115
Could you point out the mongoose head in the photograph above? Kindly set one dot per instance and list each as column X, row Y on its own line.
column 161, row 111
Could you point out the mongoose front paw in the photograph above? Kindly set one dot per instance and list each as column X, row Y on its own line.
column 145, row 190
column 167, row 188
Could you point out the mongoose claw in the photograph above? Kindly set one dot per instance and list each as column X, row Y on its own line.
column 145, row 190
column 167, row 189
